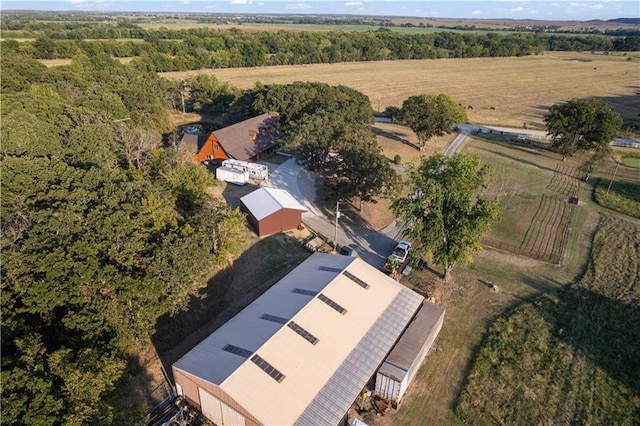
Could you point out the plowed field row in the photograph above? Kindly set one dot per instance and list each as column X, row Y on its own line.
column 544, row 237
column 564, row 180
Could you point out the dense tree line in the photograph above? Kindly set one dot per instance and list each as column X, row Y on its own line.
column 180, row 50
column 103, row 232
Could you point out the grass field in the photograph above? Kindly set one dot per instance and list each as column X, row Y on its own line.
column 522, row 176
column 59, row 62
column 534, row 187
column 520, row 89
column 570, row 356
column 267, row 27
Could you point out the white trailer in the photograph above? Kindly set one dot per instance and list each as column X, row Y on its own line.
column 255, row 170
column 227, row 174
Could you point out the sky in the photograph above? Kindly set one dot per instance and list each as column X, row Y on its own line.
column 560, row 10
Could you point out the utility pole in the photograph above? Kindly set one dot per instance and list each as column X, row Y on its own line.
column 335, row 238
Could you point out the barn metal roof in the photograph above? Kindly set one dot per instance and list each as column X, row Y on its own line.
column 265, row 201
column 311, row 371
column 412, row 341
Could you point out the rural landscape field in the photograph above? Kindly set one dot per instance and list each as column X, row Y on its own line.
column 496, row 91
column 121, row 253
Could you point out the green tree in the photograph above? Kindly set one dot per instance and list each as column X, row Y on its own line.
column 431, row 115
column 102, row 233
column 582, row 125
column 208, row 94
column 446, row 212
column 363, row 173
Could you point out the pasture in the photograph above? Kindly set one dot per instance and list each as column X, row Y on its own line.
column 571, row 354
column 533, row 185
column 497, row 91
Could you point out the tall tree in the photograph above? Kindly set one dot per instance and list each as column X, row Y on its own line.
column 582, row 125
column 446, row 213
column 431, row 115
column 363, row 173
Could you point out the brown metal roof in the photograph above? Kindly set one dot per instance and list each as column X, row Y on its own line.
column 238, row 139
column 193, row 143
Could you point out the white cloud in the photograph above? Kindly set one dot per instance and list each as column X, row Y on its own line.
column 77, row 1
column 596, row 6
column 476, row 12
column 298, row 6
column 239, row 2
column 517, row 9
column 353, row 3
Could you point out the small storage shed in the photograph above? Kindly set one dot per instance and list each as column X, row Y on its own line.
column 402, row 364
column 271, row 210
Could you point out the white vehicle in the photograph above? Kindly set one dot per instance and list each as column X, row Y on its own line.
column 401, row 251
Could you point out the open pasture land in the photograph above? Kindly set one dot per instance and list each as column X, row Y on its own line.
column 521, row 175
column 518, row 89
column 534, row 187
column 395, row 139
column 58, row 62
column 571, row 355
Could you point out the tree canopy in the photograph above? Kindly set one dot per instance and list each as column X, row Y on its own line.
column 446, row 213
column 431, row 115
column 330, row 127
column 582, row 125
column 103, row 232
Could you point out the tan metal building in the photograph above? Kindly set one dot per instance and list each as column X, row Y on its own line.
column 302, row 352
column 271, row 210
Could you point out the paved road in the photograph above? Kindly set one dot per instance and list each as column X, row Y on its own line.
column 371, row 245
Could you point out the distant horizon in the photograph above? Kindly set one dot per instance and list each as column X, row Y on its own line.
column 515, row 10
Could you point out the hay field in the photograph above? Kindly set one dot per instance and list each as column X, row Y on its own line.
column 58, row 62
column 520, row 89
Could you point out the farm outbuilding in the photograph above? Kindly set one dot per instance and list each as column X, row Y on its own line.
column 302, row 352
column 402, row 364
column 248, row 140
column 271, row 210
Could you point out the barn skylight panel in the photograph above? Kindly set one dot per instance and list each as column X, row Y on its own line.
column 355, row 279
column 331, row 303
column 304, row 291
column 236, row 350
column 274, row 318
column 302, row 332
column 267, row 368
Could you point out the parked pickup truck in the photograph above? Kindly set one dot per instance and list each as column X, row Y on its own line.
column 398, row 256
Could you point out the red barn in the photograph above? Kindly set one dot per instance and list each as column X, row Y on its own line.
column 272, row 210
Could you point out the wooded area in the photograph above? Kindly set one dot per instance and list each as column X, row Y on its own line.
column 167, row 49
column 103, row 232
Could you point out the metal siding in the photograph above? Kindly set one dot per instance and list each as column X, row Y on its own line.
column 282, row 220
column 211, row 407
column 423, row 353
column 231, row 417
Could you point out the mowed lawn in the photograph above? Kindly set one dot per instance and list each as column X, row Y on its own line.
column 518, row 89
